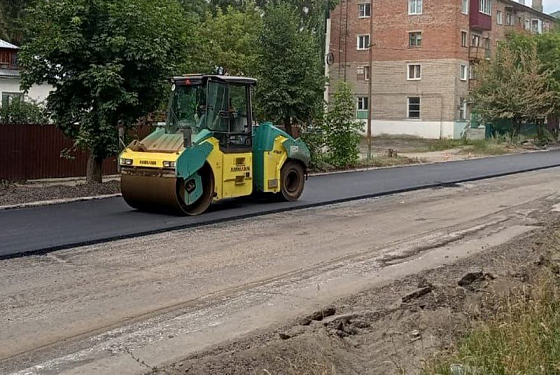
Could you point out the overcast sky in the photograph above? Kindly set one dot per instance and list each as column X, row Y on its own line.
column 551, row 5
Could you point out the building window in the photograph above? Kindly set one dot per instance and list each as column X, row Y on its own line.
column 509, row 19
column 462, row 109
column 463, row 72
column 363, row 72
column 499, row 17
column 465, row 7
column 485, row 6
column 414, row 107
column 414, row 72
column 527, row 24
column 536, row 26
column 472, row 72
column 364, row 10
column 475, row 40
column 487, row 44
column 519, row 21
column 9, row 97
column 363, row 42
column 464, row 42
column 415, row 39
column 414, row 6
column 362, row 107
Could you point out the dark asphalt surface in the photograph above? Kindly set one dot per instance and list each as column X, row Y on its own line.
column 41, row 229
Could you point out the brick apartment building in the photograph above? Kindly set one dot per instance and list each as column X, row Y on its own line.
column 422, row 54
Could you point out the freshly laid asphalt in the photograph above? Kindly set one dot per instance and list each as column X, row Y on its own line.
column 47, row 228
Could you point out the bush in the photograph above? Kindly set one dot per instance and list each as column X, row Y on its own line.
column 341, row 130
column 24, row 112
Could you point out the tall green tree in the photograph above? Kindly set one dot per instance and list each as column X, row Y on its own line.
column 12, row 25
column 108, row 61
column 230, row 40
column 514, row 86
column 290, row 69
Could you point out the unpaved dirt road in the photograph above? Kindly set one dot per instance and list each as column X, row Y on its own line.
column 121, row 307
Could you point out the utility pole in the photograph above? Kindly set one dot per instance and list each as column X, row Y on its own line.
column 370, row 68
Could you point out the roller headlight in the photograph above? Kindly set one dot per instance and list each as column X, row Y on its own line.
column 168, row 164
column 126, row 161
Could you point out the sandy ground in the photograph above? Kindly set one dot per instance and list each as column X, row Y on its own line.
column 129, row 306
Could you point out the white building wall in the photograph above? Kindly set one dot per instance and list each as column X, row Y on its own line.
column 423, row 129
column 37, row 93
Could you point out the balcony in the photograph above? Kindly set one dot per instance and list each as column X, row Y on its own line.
column 478, row 20
column 479, row 53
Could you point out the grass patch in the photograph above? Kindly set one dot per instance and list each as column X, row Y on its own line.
column 476, row 147
column 522, row 337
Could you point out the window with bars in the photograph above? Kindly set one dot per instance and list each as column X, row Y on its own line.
column 414, row 107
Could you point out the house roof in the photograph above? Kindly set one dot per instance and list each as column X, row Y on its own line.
column 556, row 14
column 527, row 8
column 9, row 73
column 6, row 45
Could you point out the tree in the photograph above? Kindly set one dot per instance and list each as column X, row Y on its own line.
column 230, row 40
column 341, row 130
column 11, row 20
column 514, row 86
column 291, row 79
column 108, row 61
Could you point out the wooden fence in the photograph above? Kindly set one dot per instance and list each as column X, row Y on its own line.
column 33, row 152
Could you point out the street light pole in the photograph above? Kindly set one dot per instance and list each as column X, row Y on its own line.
column 370, row 67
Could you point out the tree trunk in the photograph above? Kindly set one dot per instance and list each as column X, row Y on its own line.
column 93, row 174
column 288, row 126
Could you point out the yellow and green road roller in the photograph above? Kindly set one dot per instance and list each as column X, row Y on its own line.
column 211, row 149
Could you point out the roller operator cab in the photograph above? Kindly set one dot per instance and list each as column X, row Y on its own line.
column 210, row 150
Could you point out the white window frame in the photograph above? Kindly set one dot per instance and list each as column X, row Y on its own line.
column 462, row 109
column 463, row 72
column 485, row 7
column 539, row 26
column 478, row 37
column 465, row 41
column 364, row 10
column 465, row 6
column 409, row 35
column 362, row 104
column 527, row 24
column 367, row 72
column 499, row 17
column 366, row 37
column 509, row 19
column 419, row 108
column 415, row 7
column 419, row 71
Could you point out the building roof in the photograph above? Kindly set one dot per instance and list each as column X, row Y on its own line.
column 556, row 14
column 527, row 8
column 9, row 73
column 6, row 45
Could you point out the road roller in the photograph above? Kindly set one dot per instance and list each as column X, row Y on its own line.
column 210, row 149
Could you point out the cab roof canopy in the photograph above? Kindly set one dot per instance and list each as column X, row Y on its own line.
column 199, row 78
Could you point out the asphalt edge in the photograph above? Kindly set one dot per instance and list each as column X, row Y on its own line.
column 271, row 212
column 354, row 170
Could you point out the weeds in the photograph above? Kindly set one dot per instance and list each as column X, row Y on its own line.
column 522, row 338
